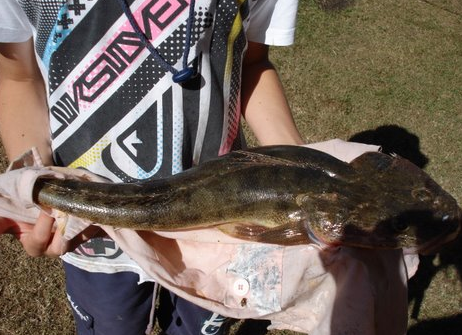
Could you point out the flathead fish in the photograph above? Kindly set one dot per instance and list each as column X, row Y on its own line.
column 278, row 194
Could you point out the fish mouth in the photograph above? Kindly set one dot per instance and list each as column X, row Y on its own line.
column 431, row 246
column 434, row 245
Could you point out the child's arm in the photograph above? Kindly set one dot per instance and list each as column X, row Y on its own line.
column 264, row 104
column 23, row 105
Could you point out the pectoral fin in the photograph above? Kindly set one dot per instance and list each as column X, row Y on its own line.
column 245, row 231
column 286, row 234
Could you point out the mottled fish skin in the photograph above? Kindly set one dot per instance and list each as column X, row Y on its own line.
column 278, row 194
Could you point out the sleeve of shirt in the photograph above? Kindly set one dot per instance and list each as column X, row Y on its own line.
column 14, row 25
column 272, row 22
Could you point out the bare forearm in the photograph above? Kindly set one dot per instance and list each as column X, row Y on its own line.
column 265, row 106
column 23, row 106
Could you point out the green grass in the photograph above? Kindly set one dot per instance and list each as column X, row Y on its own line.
column 379, row 63
column 383, row 71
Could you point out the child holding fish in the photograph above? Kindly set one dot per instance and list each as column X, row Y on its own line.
column 132, row 90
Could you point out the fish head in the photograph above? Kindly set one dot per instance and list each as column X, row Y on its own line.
column 392, row 204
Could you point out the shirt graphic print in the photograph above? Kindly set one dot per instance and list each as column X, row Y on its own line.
column 114, row 109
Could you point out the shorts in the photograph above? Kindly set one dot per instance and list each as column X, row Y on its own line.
column 115, row 304
column 180, row 317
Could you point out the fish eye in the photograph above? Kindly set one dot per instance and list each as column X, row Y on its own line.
column 422, row 194
column 400, row 226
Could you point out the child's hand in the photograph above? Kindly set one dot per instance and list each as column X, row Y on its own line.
column 42, row 238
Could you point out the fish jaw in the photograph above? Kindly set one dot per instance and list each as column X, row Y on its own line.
column 433, row 245
column 417, row 238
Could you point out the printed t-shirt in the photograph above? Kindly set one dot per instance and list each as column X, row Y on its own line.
column 114, row 109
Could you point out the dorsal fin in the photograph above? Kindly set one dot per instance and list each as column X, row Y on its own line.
column 372, row 162
column 308, row 158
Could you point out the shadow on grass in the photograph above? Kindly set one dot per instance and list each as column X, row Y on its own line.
column 451, row 255
column 254, row 327
column 395, row 139
column 451, row 325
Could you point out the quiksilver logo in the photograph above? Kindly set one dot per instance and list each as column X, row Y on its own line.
column 212, row 326
column 75, row 307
